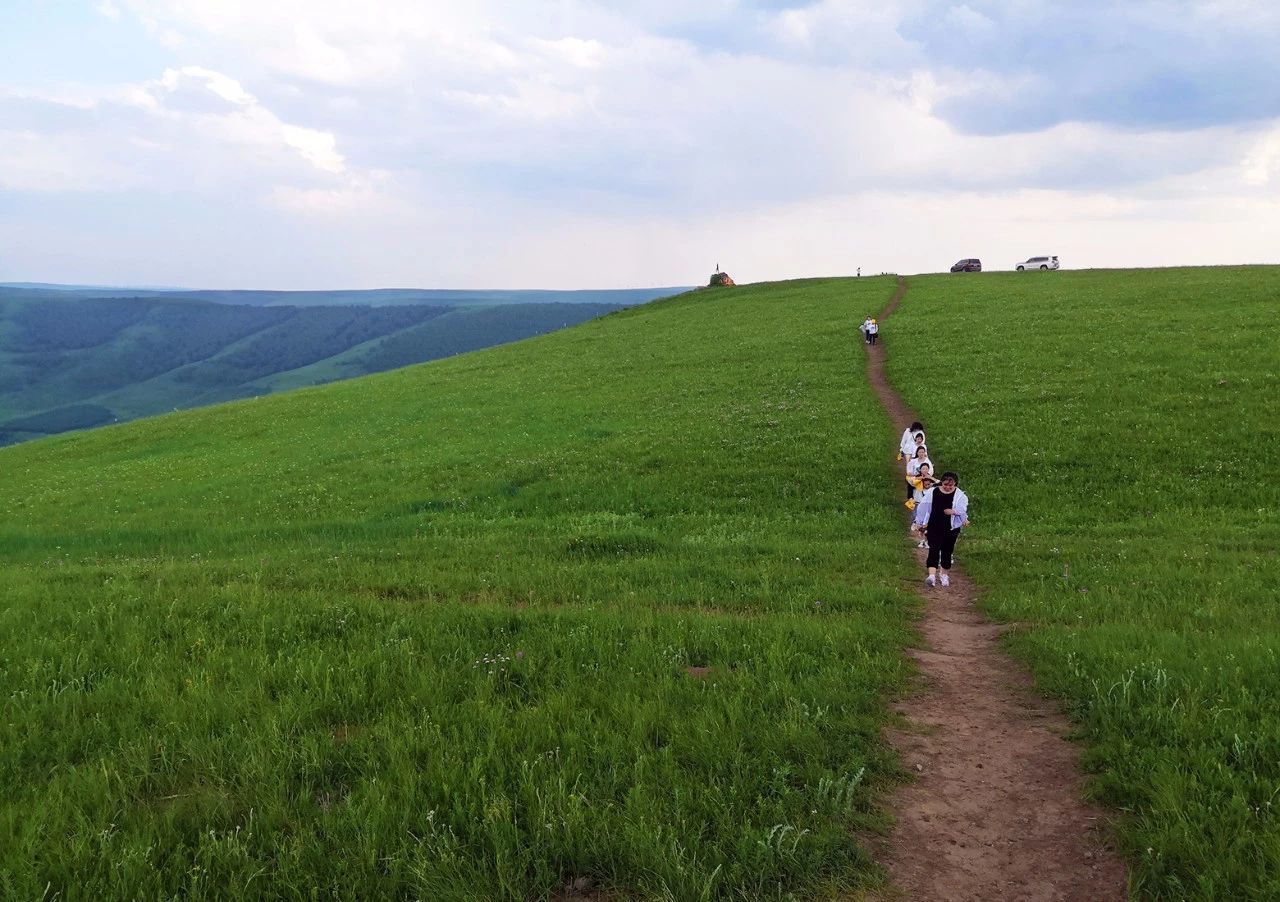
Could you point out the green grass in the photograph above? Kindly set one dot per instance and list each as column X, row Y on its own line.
column 1117, row 433
column 429, row 634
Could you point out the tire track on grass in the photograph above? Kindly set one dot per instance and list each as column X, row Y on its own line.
column 996, row 808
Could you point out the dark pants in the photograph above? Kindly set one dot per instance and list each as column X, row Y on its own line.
column 871, row 337
column 941, row 543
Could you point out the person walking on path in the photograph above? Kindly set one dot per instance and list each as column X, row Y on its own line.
column 873, row 332
column 917, row 441
column 865, row 329
column 921, row 483
column 920, row 457
column 940, row 516
column 907, row 445
column 913, row 454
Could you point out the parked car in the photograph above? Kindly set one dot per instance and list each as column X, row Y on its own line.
column 968, row 264
column 1038, row 263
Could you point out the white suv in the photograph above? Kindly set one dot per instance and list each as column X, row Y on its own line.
column 1038, row 263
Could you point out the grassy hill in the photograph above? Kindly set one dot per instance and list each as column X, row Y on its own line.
column 622, row 602
column 626, row 602
column 1118, row 432
column 72, row 363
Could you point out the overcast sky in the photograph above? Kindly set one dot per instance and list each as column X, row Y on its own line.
column 576, row 144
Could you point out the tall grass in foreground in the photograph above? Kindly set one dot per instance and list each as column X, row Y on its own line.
column 621, row 603
column 1117, row 432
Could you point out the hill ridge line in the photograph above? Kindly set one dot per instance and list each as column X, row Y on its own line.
column 996, row 809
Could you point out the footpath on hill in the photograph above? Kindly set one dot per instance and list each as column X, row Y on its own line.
column 996, row 809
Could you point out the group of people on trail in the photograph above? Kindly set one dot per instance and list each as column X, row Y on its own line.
column 870, row 329
column 941, row 509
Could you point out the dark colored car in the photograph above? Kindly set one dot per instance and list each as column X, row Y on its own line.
column 968, row 264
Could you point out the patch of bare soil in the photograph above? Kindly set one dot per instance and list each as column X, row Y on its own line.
column 580, row 889
column 996, row 808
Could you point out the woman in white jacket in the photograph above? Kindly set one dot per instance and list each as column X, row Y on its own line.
column 940, row 516
column 907, row 445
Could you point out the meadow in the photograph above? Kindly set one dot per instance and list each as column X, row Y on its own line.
column 619, row 607
column 1117, row 434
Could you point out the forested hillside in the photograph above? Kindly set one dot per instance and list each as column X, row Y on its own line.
column 71, row 362
column 376, row 297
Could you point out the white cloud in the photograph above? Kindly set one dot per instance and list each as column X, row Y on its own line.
column 637, row 134
column 967, row 20
column 584, row 54
column 248, row 122
column 1262, row 162
column 224, row 86
column 368, row 194
column 41, row 162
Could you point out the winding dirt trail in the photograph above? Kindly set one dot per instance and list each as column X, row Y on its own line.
column 996, row 811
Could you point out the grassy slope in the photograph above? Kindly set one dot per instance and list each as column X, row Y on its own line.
column 426, row 633
column 1117, row 433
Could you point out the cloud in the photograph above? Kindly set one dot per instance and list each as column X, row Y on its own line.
column 503, row 124
column 1161, row 63
column 191, row 130
column 243, row 121
column 1262, row 162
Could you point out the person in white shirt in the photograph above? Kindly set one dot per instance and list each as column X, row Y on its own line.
column 920, row 485
column 912, row 470
column 907, row 445
column 865, row 329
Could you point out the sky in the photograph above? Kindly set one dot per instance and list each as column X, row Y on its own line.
column 312, row 144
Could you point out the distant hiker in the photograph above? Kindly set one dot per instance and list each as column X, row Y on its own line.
column 940, row 516
column 865, row 329
column 873, row 331
column 859, row 272
column 907, row 446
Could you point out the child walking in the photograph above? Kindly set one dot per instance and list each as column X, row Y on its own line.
column 921, row 456
column 920, row 484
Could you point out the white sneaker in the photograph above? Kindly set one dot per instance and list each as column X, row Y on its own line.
column 928, row 580
column 946, row 580
column 923, row 543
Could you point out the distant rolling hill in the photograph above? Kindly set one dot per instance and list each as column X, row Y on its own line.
column 74, row 358
column 377, row 297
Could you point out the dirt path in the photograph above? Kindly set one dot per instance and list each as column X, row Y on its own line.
column 996, row 810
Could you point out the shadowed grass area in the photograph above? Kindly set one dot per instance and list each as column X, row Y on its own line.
column 623, row 602
column 1117, row 432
